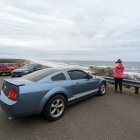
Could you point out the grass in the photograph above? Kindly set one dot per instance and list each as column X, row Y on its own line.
column 19, row 61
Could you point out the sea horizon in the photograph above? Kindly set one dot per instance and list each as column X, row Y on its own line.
column 130, row 67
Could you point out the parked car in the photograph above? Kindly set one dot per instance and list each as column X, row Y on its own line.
column 26, row 69
column 12, row 66
column 8, row 67
column 48, row 91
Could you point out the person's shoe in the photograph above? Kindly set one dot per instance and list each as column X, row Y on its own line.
column 115, row 91
column 121, row 92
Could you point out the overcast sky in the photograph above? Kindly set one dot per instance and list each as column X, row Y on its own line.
column 70, row 29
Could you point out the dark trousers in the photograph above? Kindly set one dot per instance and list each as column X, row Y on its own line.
column 118, row 81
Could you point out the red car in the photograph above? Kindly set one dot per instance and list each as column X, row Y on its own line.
column 2, row 68
column 8, row 67
column 12, row 66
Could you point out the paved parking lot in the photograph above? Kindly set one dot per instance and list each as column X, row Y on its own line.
column 110, row 117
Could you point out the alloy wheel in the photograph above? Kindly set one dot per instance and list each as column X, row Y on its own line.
column 57, row 107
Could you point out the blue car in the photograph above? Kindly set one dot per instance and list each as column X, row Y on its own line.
column 48, row 91
column 26, row 69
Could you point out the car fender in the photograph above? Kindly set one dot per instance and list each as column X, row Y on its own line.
column 102, row 80
column 51, row 93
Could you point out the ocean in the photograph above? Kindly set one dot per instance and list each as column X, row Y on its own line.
column 132, row 68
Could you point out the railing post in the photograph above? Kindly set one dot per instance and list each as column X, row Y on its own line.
column 136, row 90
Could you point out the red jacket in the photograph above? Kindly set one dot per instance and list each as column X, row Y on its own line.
column 119, row 70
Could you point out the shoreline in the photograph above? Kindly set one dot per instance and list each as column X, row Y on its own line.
column 95, row 70
column 91, row 69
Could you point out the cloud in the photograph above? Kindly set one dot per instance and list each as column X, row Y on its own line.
column 76, row 29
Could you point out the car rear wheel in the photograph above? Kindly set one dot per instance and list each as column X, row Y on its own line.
column 55, row 108
column 102, row 89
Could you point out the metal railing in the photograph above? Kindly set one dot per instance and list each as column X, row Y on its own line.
column 133, row 83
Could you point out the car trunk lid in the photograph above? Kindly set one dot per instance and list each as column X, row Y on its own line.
column 14, row 83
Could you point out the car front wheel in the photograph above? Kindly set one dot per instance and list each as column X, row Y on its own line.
column 55, row 108
column 102, row 89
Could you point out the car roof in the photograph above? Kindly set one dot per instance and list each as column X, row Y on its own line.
column 38, row 75
column 66, row 69
column 32, row 64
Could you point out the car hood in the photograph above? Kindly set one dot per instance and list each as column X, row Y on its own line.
column 98, row 77
column 20, row 70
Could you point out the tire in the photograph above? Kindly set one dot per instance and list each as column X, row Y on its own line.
column 102, row 89
column 55, row 108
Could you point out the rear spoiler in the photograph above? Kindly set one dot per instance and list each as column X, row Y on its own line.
column 18, row 81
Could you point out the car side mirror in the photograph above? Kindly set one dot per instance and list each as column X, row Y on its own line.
column 90, row 77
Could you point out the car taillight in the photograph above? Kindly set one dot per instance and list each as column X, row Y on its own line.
column 13, row 94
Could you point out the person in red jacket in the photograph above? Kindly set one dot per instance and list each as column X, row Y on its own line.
column 118, row 74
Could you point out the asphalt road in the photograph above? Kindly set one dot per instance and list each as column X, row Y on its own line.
column 110, row 117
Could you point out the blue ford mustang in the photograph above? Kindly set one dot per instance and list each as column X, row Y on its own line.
column 48, row 91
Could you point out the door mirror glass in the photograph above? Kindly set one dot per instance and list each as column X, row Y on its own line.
column 90, row 77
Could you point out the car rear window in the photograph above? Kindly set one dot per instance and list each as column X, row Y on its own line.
column 38, row 75
column 28, row 66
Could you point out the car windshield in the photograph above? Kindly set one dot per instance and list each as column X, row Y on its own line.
column 2, row 65
column 38, row 75
column 27, row 66
column 10, row 65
